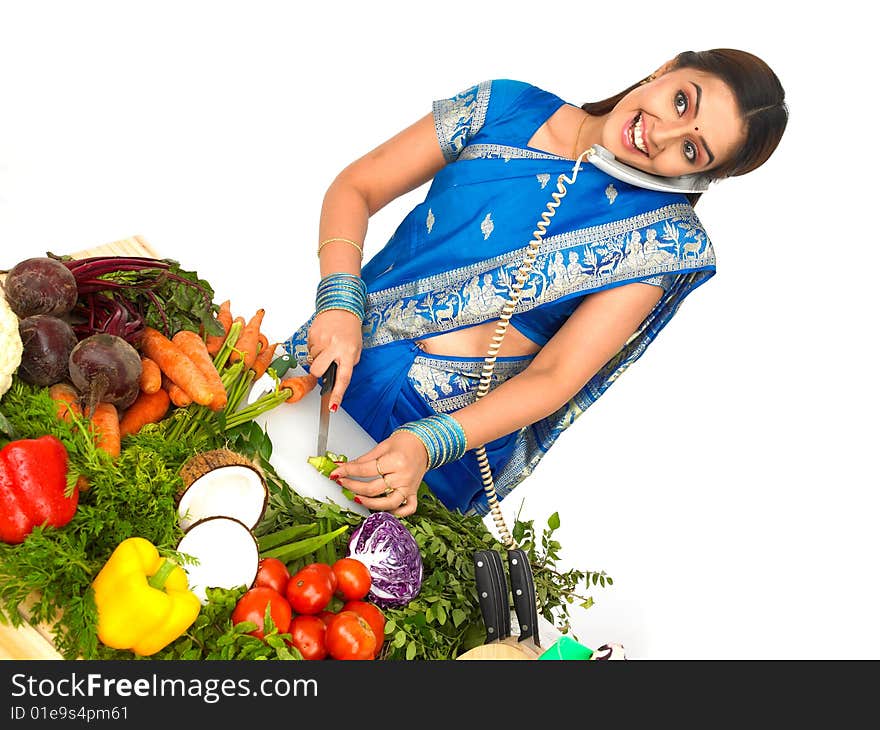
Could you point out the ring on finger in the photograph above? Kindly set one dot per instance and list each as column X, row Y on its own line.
column 403, row 504
column 310, row 358
column 388, row 488
column 378, row 469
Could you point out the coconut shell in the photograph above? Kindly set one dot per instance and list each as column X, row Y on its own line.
column 200, row 464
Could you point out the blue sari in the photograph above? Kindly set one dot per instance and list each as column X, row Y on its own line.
column 451, row 262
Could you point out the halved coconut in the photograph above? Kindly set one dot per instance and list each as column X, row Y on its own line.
column 201, row 463
column 227, row 554
column 229, row 491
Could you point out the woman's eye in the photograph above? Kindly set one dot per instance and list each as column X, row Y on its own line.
column 681, row 103
column 690, row 151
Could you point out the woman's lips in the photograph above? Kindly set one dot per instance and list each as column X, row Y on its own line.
column 627, row 136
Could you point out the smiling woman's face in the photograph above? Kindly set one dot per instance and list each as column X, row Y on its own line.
column 685, row 121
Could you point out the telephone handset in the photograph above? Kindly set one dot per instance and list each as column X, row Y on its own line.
column 608, row 163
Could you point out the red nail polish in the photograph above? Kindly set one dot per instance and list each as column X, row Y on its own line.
column 334, row 408
column 358, row 500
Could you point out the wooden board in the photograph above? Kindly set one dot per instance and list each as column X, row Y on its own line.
column 35, row 642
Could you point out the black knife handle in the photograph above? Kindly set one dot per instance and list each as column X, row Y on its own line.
column 328, row 378
column 492, row 594
column 522, row 585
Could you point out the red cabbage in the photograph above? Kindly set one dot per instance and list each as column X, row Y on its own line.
column 392, row 556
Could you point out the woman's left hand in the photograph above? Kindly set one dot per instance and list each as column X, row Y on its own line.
column 394, row 469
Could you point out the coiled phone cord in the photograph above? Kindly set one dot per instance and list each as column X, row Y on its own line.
column 506, row 313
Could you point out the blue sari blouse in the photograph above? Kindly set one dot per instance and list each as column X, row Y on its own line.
column 451, row 262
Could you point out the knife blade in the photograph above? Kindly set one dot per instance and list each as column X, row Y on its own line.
column 329, row 380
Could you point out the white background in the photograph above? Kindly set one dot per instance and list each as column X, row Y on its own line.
column 727, row 481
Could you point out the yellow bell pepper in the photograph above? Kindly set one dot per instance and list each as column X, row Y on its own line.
column 143, row 600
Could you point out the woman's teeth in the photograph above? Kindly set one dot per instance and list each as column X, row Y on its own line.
column 637, row 138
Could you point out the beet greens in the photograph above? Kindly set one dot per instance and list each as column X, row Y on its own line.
column 120, row 295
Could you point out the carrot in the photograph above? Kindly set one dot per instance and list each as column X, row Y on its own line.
column 105, row 426
column 224, row 317
column 300, row 385
column 246, row 347
column 195, row 349
column 264, row 360
column 262, row 343
column 67, row 400
column 178, row 367
column 177, row 396
column 147, row 408
column 151, row 376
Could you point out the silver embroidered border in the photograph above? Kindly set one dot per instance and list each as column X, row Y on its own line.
column 592, row 235
column 457, row 113
column 507, row 152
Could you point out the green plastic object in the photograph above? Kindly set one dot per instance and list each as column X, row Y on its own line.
column 567, row 648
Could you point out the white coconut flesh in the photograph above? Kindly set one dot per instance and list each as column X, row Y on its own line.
column 228, row 491
column 227, row 555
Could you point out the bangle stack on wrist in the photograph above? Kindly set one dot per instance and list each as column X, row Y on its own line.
column 443, row 437
column 342, row 291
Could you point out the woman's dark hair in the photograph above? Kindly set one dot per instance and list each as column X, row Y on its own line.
column 759, row 96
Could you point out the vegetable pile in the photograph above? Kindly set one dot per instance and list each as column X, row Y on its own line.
column 130, row 465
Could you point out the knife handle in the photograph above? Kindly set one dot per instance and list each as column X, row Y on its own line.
column 328, row 378
column 492, row 594
column 522, row 585
column 281, row 364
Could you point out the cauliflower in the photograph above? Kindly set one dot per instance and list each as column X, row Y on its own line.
column 10, row 344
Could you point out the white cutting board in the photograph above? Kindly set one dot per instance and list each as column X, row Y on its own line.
column 293, row 428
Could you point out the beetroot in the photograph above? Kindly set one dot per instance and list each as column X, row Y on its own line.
column 105, row 368
column 47, row 343
column 40, row 285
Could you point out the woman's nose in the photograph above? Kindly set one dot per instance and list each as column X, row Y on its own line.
column 670, row 131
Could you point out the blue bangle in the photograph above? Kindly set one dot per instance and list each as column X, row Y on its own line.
column 442, row 436
column 342, row 291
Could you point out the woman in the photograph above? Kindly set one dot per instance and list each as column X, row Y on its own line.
column 409, row 331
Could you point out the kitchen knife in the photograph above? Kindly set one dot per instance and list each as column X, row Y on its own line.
column 265, row 383
column 492, row 594
column 328, row 381
column 522, row 585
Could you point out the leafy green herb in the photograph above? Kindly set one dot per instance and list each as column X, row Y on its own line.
column 133, row 495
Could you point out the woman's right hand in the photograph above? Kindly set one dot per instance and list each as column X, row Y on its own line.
column 335, row 335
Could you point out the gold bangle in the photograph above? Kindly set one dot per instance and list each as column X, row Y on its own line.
column 346, row 240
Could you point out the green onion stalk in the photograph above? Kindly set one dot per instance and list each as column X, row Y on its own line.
column 237, row 380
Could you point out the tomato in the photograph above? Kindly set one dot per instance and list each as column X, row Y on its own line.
column 326, row 571
column 307, row 634
column 272, row 574
column 350, row 637
column 326, row 617
column 370, row 613
column 353, row 579
column 252, row 607
column 308, row 591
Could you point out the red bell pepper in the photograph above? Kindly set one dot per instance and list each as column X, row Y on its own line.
column 33, row 479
